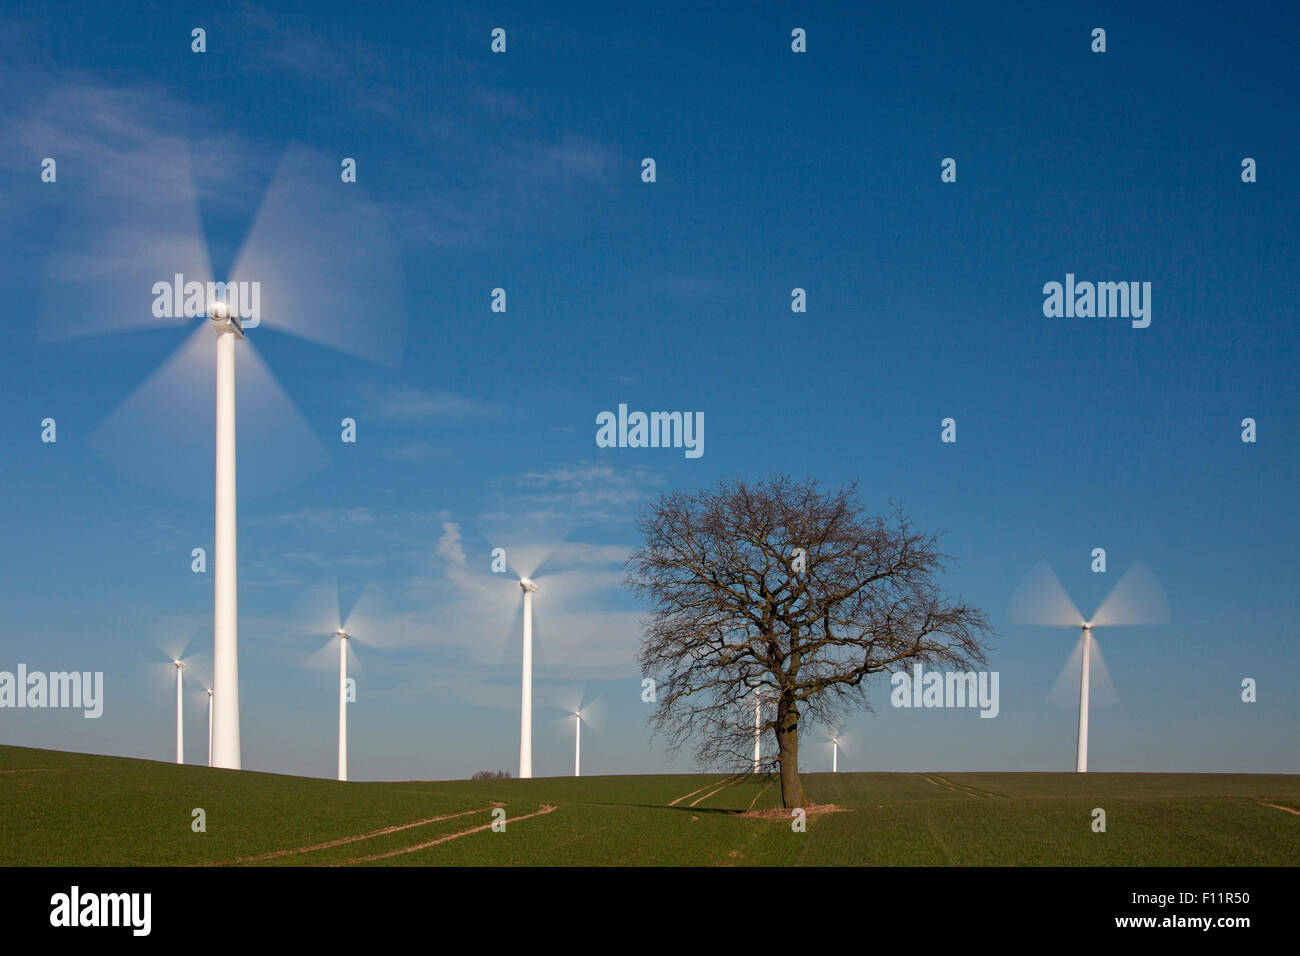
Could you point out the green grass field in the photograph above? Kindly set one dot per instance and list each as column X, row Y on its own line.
column 75, row 809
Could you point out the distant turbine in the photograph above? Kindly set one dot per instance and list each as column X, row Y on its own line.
column 1081, row 747
column 524, row 565
column 343, row 704
column 836, row 739
column 180, row 712
column 835, row 755
column 367, row 618
column 526, row 696
column 172, row 637
column 1138, row 599
column 582, row 711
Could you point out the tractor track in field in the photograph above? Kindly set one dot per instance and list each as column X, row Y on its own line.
column 725, row 782
column 1278, row 806
column 939, row 781
column 730, row 781
column 545, row 808
column 977, row 791
column 37, row 770
column 342, row 841
column 762, row 790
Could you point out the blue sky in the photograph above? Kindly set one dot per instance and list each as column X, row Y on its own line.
column 775, row 171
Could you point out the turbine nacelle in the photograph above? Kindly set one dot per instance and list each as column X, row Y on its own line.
column 341, row 634
column 223, row 317
column 527, row 585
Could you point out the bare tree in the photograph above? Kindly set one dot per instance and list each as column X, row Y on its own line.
column 781, row 590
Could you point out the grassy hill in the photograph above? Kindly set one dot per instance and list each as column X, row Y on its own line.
column 77, row 809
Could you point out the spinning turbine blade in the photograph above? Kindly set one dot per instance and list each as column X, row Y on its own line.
column 161, row 435
column 136, row 225
column 316, row 611
column 1065, row 692
column 526, row 561
column 593, row 714
column 370, row 620
column 326, row 657
column 328, row 267
column 571, row 702
column 1041, row 599
column 173, row 636
column 1138, row 599
column 1103, row 688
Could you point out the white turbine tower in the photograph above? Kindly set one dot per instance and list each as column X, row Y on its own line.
column 577, row 743
column 1081, row 745
column 758, row 726
column 225, row 599
column 180, row 713
column 317, row 260
column 526, row 694
column 343, row 704
column 1136, row 600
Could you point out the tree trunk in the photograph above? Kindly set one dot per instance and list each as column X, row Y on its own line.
column 787, row 742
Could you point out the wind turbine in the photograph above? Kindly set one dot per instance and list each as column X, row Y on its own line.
column 132, row 255
column 180, row 712
column 581, row 711
column 343, row 703
column 172, row 637
column 523, row 564
column 532, row 562
column 1136, row 600
column 758, row 725
column 526, row 695
column 577, row 743
column 368, row 617
column 836, row 740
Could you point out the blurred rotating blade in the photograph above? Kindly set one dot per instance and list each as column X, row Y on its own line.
column 163, row 434
column 325, row 657
column 1101, row 690
column 371, row 621
column 136, row 225
column 1041, row 599
column 173, row 636
column 316, row 611
column 328, row 266
column 1137, row 600
column 592, row 712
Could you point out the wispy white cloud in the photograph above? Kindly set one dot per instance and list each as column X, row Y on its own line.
column 411, row 451
column 585, row 492
column 329, row 519
column 414, row 403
